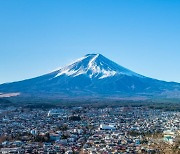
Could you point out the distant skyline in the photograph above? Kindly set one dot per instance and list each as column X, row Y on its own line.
column 38, row 36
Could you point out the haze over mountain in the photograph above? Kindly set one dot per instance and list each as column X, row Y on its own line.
column 95, row 76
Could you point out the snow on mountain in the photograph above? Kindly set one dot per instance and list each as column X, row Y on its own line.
column 94, row 66
column 92, row 75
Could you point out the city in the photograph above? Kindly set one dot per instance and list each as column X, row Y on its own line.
column 89, row 130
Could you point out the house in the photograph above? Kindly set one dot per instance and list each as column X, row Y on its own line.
column 169, row 136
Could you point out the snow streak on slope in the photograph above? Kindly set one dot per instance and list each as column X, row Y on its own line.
column 94, row 66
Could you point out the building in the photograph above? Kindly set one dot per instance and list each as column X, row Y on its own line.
column 107, row 127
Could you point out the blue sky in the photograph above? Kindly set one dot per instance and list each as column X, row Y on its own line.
column 37, row 36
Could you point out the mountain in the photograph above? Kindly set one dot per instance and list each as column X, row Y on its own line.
column 96, row 76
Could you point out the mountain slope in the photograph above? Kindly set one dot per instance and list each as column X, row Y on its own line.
column 92, row 75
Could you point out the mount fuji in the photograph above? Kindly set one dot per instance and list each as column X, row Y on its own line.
column 94, row 76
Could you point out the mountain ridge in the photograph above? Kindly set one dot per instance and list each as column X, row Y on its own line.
column 93, row 74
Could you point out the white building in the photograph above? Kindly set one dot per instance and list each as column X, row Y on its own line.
column 57, row 112
column 107, row 127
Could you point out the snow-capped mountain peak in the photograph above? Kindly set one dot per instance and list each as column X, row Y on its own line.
column 91, row 76
column 94, row 66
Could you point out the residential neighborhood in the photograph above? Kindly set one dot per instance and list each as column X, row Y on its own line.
column 88, row 130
